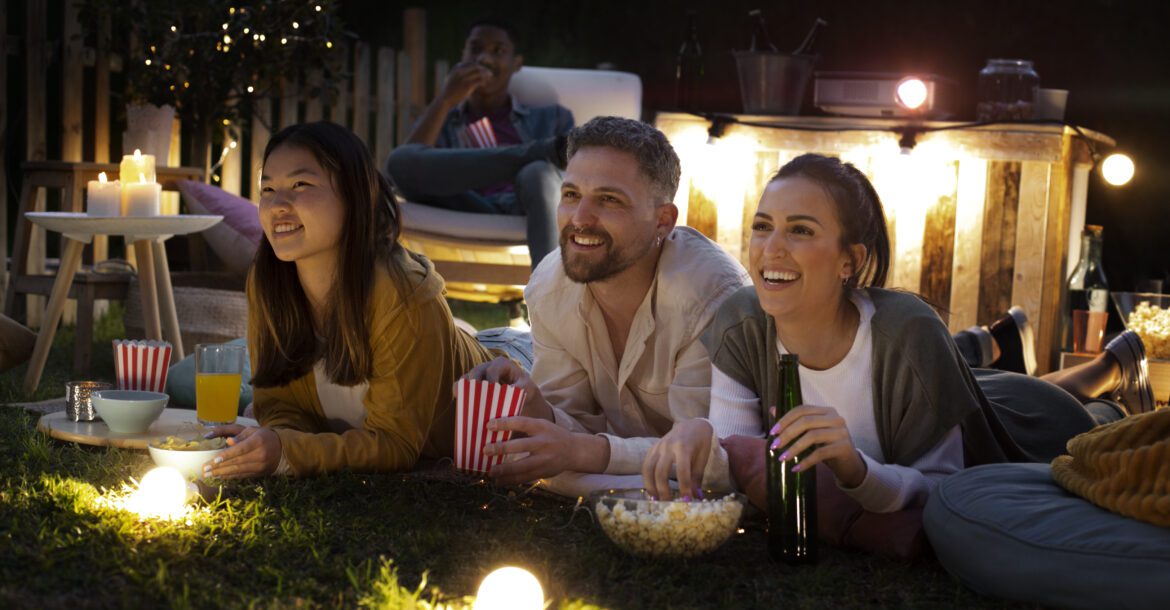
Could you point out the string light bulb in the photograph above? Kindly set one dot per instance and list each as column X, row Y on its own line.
column 509, row 588
column 296, row 25
column 1117, row 169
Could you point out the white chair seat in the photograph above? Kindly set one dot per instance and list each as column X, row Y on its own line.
column 463, row 225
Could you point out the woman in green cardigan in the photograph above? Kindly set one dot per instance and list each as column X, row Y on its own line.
column 890, row 405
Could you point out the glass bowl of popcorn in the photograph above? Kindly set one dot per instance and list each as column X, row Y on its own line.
column 667, row 528
column 1148, row 315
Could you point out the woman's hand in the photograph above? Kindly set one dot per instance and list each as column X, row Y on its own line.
column 251, row 452
column 823, row 429
column 686, row 448
column 502, row 370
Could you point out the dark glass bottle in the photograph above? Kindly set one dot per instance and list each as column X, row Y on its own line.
column 792, row 496
column 1088, row 289
column 688, row 73
column 760, row 41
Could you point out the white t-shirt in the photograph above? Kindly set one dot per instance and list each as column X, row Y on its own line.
column 848, row 388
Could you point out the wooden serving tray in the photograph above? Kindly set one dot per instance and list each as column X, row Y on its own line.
column 176, row 422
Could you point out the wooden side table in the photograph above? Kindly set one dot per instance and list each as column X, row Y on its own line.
column 71, row 177
column 147, row 233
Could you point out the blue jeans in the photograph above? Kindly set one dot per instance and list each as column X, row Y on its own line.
column 448, row 178
column 516, row 343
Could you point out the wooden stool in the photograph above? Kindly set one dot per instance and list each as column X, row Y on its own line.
column 87, row 286
column 71, row 178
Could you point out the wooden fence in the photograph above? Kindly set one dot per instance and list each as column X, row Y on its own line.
column 385, row 92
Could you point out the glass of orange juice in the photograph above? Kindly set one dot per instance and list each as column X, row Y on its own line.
column 219, row 369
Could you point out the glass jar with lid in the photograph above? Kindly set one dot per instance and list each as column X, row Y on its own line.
column 1007, row 90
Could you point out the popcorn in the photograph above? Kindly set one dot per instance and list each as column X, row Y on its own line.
column 1152, row 324
column 669, row 529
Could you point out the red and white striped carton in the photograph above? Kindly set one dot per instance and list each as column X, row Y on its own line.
column 480, row 134
column 477, row 403
column 142, row 365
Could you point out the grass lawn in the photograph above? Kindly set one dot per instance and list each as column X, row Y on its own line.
column 374, row 541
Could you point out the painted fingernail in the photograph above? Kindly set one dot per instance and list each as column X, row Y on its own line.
column 218, row 460
column 686, row 498
column 699, row 492
column 776, row 444
column 784, row 456
column 796, row 468
column 654, row 498
column 210, row 433
column 775, row 429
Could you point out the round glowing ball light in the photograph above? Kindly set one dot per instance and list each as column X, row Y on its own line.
column 1117, row 169
column 509, row 588
column 161, row 493
column 911, row 93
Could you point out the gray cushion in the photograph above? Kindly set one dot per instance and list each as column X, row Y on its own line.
column 1009, row 531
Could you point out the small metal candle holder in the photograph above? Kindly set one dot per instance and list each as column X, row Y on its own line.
column 78, row 405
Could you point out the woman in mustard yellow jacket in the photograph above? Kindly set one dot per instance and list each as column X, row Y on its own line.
column 354, row 351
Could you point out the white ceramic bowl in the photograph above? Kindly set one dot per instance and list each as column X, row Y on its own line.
column 666, row 528
column 128, row 411
column 189, row 462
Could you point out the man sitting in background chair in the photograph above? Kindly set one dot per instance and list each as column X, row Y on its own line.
column 476, row 149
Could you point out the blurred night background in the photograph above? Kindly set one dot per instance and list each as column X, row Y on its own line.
column 1112, row 55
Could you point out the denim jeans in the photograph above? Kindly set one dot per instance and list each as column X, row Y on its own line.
column 447, row 178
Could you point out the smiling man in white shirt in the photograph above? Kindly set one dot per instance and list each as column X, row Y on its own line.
column 616, row 317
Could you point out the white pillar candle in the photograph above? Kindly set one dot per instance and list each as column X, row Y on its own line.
column 103, row 198
column 132, row 167
column 141, row 197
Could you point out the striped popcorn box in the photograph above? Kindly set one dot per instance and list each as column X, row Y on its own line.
column 142, row 365
column 481, row 135
column 477, row 403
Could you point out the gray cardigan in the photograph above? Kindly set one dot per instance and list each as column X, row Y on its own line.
column 922, row 387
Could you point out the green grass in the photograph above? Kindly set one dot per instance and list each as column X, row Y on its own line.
column 373, row 541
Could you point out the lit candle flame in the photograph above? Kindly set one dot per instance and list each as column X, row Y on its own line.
column 137, row 156
column 102, row 177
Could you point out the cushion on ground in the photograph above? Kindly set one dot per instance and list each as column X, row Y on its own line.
column 1009, row 531
column 234, row 240
column 464, row 225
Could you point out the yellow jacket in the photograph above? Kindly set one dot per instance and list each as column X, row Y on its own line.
column 418, row 355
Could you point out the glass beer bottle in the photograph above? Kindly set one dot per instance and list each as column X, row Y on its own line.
column 792, row 496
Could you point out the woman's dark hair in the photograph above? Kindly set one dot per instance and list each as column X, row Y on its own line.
column 282, row 336
column 859, row 210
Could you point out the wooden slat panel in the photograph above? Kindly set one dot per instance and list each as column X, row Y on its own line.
column 1050, row 320
column 71, row 86
column 971, row 193
column 101, row 103
column 938, row 246
column 4, row 156
column 442, row 67
column 289, row 100
column 36, row 84
column 414, row 43
column 384, row 117
column 403, row 97
column 1031, row 237
column 999, row 243
column 339, row 110
column 701, row 213
column 361, row 91
column 232, row 170
column 314, row 105
column 261, row 119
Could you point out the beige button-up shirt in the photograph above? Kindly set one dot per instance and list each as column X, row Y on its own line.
column 664, row 375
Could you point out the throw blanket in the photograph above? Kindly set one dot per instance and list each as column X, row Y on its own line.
column 1123, row 467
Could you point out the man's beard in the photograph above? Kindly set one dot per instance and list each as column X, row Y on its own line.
column 612, row 261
